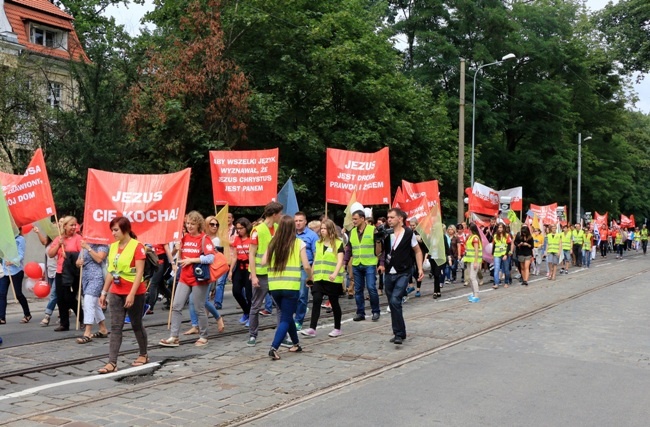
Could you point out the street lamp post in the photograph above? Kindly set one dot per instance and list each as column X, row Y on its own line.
column 505, row 58
column 579, row 174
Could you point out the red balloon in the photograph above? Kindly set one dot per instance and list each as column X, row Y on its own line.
column 42, row 289
column 27, row 228
column 33, row 270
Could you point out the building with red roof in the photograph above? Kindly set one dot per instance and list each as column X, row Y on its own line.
column 40, row 31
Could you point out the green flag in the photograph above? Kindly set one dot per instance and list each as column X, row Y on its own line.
column 46, row 226
column 430, row 229
column 8, row 248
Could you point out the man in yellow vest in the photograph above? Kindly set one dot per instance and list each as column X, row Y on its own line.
column 260, row 238
column 361, row 248
column 578, row 237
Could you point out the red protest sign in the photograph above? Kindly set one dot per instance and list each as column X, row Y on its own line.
column 428, row 189
column 547, row 214
column 244, row 178
column 29, row 196
column 367, row 173
column 155, row 205
column 484, row 200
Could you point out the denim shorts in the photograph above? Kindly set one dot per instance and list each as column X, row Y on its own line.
column 567, row 255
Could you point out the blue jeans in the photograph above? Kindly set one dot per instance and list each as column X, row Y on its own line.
column 51, row 303
column 395, row 288
column 303, row 298
column 211, row 308
column 501, row 265
column 586, row 257
column 218, row 293
column 268, row 303
column 365, row 275
column 287, row 301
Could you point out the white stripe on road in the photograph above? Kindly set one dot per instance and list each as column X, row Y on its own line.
column 34, row 390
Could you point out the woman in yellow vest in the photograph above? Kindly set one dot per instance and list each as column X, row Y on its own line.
column 501, row 244
column 473, row 260
column 328, row 277
column 127, row 291
column 284, row 256
column 553, row 244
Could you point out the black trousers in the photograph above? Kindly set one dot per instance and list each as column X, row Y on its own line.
column 66, row 299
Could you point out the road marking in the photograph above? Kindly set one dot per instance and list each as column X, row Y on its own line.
column 35, row 390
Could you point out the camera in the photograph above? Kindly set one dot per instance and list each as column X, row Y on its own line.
column 198, row 271
column 381, row 232
column 116, row 277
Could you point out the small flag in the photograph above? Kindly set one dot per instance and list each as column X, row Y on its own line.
column 347, row 222
column 287, row 196
column 222, row 218
column 8, row 248
column 432, row 233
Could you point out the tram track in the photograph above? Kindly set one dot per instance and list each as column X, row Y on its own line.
column 373, row 372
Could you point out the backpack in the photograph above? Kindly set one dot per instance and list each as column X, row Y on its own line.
column 219, row 266
column 150, row 265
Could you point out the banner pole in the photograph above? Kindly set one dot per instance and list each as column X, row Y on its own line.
column 171, row 303
column 81, row 273
column 11, row 283
column 326, row 210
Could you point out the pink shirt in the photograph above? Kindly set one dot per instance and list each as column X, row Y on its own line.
column 70, row 244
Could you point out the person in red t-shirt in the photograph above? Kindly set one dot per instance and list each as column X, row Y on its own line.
column 127, row 291
column 241, row 282
column 195, row 248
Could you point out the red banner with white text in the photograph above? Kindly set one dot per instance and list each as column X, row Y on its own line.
column 244, row 178
column 601, row 219
column 155, row 205
column 29, row 196
column 428, row 189
column 484, row 200
column 547, row 214
column 367, row 173
column 627, row 222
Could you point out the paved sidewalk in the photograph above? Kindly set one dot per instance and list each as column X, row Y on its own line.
column 228, row 381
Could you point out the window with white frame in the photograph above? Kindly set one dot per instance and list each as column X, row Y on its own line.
column 48, row 37
column 54, row 94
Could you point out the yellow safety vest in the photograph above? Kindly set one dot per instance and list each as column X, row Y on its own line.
column 289, row 278
column 588, row 237
column 470, row 252
column 578, row 237
column 500, row 247
column 619, row 238
column 121, row 263
column 644, row 234
column 263, row 239
column 566, row 241
column 325, row 262
column 553, row 240
column 363, row 253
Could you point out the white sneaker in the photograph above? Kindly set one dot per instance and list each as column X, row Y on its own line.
column 309, row 333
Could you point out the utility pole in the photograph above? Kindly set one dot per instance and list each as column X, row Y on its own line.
column 461, row 146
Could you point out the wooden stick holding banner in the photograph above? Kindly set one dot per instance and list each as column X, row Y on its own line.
column 176, row 253
column 326, row 210
column 11, row 285
column 81, row 273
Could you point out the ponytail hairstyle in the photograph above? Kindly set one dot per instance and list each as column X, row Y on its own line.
column 281, row 247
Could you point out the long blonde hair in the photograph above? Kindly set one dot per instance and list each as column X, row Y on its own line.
column 332, row 235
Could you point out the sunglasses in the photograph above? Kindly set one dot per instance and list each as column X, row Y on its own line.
column 214, row 224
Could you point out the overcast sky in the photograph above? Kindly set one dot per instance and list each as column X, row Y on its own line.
column 130, row 18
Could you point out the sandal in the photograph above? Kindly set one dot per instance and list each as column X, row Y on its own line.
column 26, row 319
column 84, row 340
column 295, row 349
column 273, row 353
column 220, row 325
column 46, row 320
column 142, row 359
column 3, row 322
column 110, row 367
column 100, row 334
column 169, row 342
column 193, row 331
column 201, row 342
